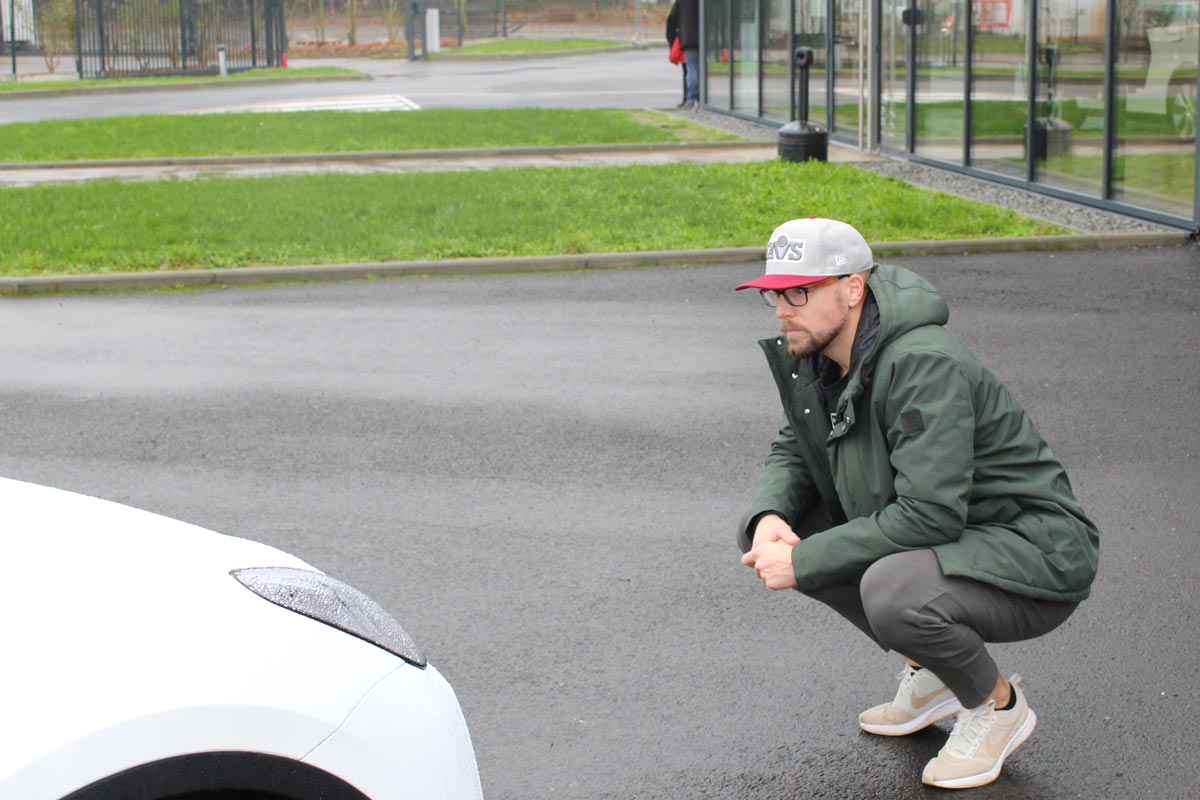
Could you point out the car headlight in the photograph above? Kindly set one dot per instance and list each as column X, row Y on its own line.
column 328, row 600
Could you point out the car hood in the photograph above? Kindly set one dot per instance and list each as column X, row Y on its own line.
column 124, row 625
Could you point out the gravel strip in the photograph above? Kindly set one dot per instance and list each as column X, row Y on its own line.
column 1072, row 216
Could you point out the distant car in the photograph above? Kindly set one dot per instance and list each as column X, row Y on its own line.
column 147, row 658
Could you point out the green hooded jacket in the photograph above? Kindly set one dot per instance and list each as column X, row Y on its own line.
column 927, row 450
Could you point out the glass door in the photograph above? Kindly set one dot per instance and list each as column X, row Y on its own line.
column 777, row 59
column 718, row 71
column 895, row 23
column 941, row 69
column 745, row 57
column 1068, row 124
column 848, row 65
column 1000, row 90
column 1154, row 149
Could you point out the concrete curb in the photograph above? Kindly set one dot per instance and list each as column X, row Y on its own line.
column 136, row 281
column 42, row 94
column 376, row 155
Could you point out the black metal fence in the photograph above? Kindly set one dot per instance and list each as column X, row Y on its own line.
column 177, row 37
column 477, row 21
column 455, row 24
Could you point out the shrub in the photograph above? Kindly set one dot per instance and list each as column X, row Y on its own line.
column 56, row 27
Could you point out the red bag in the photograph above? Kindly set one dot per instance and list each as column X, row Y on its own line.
column 676, row 56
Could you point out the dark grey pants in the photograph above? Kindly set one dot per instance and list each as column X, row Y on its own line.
column 905, row 603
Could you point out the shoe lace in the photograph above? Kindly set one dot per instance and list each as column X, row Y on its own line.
column 970, row 728
column 907, row 677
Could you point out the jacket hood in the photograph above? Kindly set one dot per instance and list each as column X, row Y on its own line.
column 906, row 302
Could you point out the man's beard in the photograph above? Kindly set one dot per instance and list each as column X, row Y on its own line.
column 813, row 343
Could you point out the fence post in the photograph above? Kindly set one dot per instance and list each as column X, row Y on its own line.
column 183, row 35
column 79, row 38
column 12, row 34
column 414, row 25
column 253, row 37
column 103, row 39
column 269, row 32
column 281, row 30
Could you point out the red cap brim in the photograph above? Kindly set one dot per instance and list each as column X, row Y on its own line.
column 778, row 282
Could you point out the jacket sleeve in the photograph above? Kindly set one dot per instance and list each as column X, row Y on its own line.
column 928, row 418
column 785, row 485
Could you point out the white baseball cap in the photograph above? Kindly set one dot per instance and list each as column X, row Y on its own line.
column 806, row 251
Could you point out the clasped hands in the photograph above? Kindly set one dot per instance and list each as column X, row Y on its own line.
column 771, row 554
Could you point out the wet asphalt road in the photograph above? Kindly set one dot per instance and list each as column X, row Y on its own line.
column 539, row 476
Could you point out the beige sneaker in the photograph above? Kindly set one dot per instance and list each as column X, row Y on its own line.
column 982, row 738
column 921, row 700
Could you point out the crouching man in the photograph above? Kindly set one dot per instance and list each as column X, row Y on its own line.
column 910, row 492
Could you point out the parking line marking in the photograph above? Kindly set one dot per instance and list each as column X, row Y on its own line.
column 368, row 102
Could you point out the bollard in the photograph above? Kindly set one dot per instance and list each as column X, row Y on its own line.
column 798, row 140
column 433, row 30
column 221, row 60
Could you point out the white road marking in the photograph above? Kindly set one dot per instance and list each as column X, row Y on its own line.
column 365, row 102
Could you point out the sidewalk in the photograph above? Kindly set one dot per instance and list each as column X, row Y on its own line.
column 33, row 173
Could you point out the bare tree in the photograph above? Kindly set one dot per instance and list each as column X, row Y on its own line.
column 56, row 29
column 320, row 18
column 392, row 18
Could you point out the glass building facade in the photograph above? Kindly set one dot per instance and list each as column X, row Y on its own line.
column 1089, row 100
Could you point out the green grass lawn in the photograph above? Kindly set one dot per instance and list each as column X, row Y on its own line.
column 304, row 73
column 1006, row 118
column 116, row 227
column 1165, row 175
column 336, row 131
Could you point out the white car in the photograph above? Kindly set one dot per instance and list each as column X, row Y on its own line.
column 147, row 658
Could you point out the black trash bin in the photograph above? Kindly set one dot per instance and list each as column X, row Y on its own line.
column 1051, row 139
column 1051, row 134
column 799, row 140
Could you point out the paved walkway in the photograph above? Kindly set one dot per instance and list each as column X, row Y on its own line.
column 399, row 161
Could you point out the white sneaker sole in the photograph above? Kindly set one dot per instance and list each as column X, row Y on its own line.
column 984, row 778
column 946, row 708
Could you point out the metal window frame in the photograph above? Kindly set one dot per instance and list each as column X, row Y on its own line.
column 1106, row 200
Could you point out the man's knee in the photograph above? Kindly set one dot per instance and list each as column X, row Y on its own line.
column 894, row 590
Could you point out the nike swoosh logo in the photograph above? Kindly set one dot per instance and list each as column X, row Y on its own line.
column 921, row 700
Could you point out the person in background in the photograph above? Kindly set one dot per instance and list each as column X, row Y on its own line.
column 676, row 53
column 689, row 42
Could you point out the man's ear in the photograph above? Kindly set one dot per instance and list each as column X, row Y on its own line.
column 856, row 289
